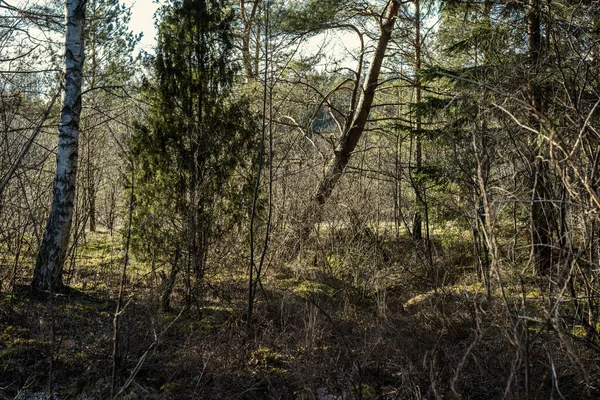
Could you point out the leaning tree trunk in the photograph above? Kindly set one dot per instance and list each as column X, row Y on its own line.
column 352, row 131
column 51, row 257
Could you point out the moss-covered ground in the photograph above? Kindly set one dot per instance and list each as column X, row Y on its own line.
column 343, row 325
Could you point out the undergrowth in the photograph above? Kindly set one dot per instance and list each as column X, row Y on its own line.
column 332, row 325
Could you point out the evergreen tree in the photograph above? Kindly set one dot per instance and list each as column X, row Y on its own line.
column 196, row 135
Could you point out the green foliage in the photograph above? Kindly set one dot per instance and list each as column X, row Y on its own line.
column 311, row 15
column 109, row 43
column 196, row 136
column 266, row 357
column 305, row 289
column 363, row 391
column 173, row 387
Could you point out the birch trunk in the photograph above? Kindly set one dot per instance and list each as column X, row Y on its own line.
column 51, row 257
column 248, row 21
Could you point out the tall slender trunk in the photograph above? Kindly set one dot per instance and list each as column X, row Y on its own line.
column 352, row 131
column 92, row 201
column 595, row 36
column 418, row 186
column 53, row 250
column 540, row 210
column 90, row 184
column 90, row 172
column 168, row 283
column 481, row 223
column 248, row 20
column 398, row 176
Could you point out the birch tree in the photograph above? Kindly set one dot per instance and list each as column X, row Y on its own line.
column 48, row 269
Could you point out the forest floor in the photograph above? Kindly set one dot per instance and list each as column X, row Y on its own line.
column 316, row 334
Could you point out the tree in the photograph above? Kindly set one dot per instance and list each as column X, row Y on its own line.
column 418, row 187
column 249, row 15
column 52, row 253
column 354, row 126
column 196, row 135
column 541, row 211
column 110, row 45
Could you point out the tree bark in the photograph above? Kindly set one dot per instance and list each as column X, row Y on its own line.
column 418, row 186
column 51, row 257
column 248, row 21
column 91, row 190
column 352, row 131
column 540, row 210
column 168, row 283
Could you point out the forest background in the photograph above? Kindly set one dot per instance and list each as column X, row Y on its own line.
column 300, row 199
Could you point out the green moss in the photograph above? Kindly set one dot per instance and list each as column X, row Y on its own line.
column 95, row 247
column 468, row 290
column 581, row 332
column 6, row 300
column 288, row 283
column 307, row 288
column 173, row 387
column 364, row 392
column 277, row 371
column 266, row 357
column 333, row 262
column 13, row 331
column 218, row 308
column 21, row 347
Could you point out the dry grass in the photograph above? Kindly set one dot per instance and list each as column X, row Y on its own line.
column 321, row 329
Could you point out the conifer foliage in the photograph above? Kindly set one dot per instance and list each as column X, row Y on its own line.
column 196, row 134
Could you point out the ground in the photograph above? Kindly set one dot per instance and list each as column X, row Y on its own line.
column 322, row 330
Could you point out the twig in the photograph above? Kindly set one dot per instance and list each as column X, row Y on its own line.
column 27, row 146
column 118, row 310
column 144, row 356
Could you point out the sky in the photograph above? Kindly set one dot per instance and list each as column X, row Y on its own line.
column 142, row 20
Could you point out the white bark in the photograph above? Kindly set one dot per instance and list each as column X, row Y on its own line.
column 51, row 257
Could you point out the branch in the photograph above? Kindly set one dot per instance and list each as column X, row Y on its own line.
column 27, row 146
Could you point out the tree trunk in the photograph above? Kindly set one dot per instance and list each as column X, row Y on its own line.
column 352, row 131
column 91, row 189
column 92, row 213
column 248, row 21
column 51, row 257
column 540, row 210
column 418, row 186
column 168, row 283
column 595, row 36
